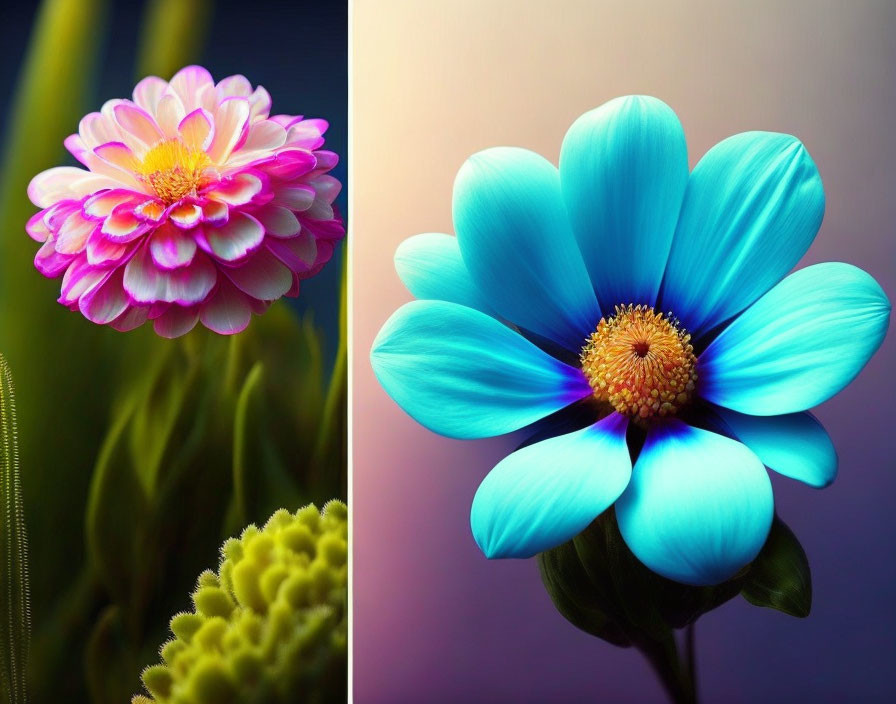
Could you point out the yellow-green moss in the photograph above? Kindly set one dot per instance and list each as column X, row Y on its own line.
column 270, row 626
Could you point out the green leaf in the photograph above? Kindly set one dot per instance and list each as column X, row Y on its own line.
column 573, row 594
column 15, row 616
column 779, row 577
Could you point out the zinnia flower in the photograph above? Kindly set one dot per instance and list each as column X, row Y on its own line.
column 659, row 295
column 196, row 205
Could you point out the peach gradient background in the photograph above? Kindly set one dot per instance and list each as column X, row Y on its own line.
column 434, row 82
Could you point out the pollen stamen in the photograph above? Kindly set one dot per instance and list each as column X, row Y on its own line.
column 172, row 170
column 641, row 362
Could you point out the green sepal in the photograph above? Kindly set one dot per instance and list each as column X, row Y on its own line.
column 779, row 577
column 597, row 584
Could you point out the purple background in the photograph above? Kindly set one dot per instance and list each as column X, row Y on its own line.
column 434, row 621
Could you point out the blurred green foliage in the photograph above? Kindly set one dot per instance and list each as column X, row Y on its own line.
column 143, row 454
column 15, row 609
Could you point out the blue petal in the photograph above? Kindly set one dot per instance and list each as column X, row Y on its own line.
column 795, row 445
column 699, row 505
column 547, row 493
column 515, row 240
column 751, row 210
column 463, row 374
column 799, row 344
column 624, row 170
column 431, row 268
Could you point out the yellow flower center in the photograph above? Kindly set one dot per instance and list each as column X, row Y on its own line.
column 172, row 170
column 640, row 362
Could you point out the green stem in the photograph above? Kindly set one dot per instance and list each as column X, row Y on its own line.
column 676, row 673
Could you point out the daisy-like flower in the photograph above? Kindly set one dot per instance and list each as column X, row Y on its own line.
column 196, row 205
column 656, row 297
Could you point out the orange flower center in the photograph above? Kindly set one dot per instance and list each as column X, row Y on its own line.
column 640, row 362
column 172, row 170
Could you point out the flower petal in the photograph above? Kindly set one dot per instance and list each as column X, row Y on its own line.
column 263, row 277
column 699, row 505
column 147, row 283
column 278, row 221
column 188, row 83
column 170, row 248
column 65, row 182
column 176, row 321
column 624, row 169
column 196, row 129
column 795, row 445
column 231, row 242
column 137, row 122
column 106, row 302
column 148, row 92
column 463, row 374
column 431, row 267
column 515, row 239
column 799, row 344
column 227, row 312
column 751, row 210
column 547, row 493
column 230, row 120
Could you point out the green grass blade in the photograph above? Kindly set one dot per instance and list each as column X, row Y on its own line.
column 15, row 616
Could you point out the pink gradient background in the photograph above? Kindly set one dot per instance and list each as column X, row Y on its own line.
column 433, row 82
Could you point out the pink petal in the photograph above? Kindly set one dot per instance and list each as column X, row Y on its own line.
column 294, row 197
column 196, row 129
column 176, row 321
column 227, row 312
column 187, row 84
column 230, row 121
column 291, row 163
column 102, row 204
column 260, row 102
column 132, row 318
column 298, row 253
column 263, row 277
column 169, row 113
column 58, row 183
column 147, row 283
column 185, row 215
column 231, row 242
column 72, row 236
column 151, row 210
column 327, row 187
column 215, row 212
column 105, row 302
column 138, row 123
column 320, row 210
column 96, row 128
column 264, row 136
column 49, row 262
column 238, row 190
column 234, row 86
column 122, row 225
column 102, row 251
column 36, row 227
column 117, row 154
column 80, row 278
column 278, row 221
column 76, row 147
column 148, row 92
column 307, row 134
column 170, row 248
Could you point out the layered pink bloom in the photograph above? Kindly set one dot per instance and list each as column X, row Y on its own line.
column 196, row 205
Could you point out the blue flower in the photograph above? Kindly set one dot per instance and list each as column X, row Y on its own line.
column 657, row 299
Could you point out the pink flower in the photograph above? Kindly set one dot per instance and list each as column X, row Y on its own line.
column 196, row 205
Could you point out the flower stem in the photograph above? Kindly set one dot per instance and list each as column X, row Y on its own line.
column 676, row 673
